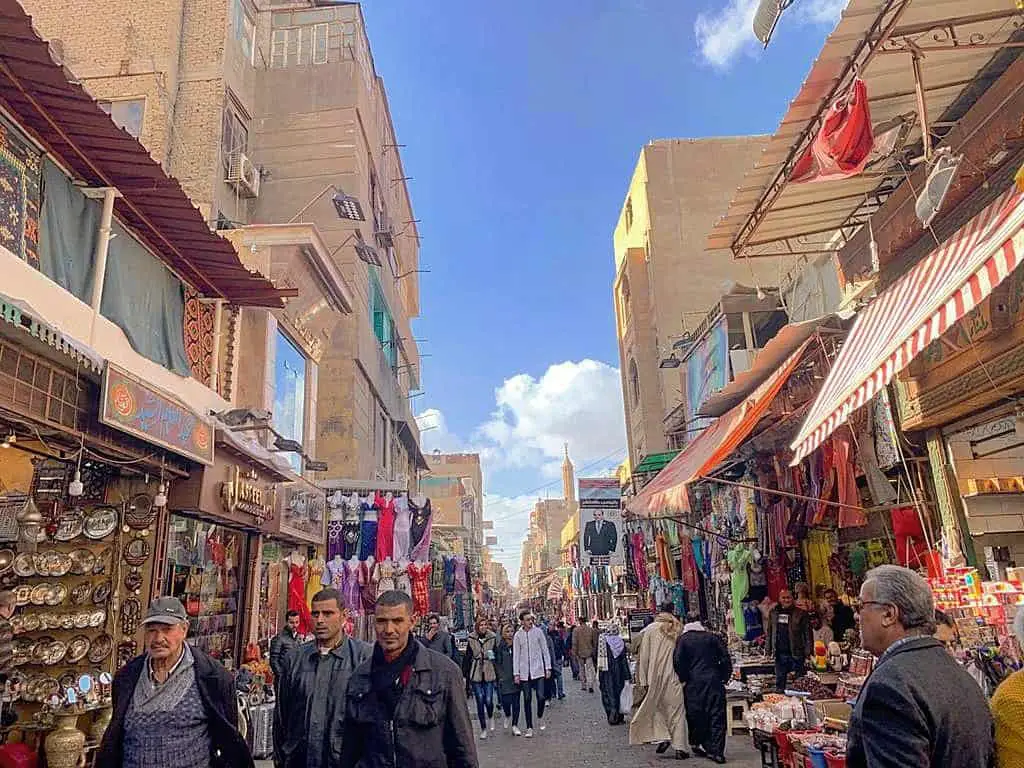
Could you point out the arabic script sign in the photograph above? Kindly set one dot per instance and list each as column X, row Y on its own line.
column 151, row 415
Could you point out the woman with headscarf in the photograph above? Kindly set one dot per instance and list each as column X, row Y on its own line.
column 612, row 672
column 1008, row 711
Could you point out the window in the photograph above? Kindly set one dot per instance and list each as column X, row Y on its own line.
column 634, row 383
column 290, row 394
column 624, row 298
column 234, row 138
column 320, row 35
column 245, row 29
column 126, row 114
column 383, row 322
column 286, row 46
column 627, row 214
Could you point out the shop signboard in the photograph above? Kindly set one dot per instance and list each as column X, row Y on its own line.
column 302, row 507
column 601, row 521
column 141, row 410
column 638, row 618
column 243, row 491
column 707, row 368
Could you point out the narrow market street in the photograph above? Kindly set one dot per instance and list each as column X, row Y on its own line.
column 578, row 736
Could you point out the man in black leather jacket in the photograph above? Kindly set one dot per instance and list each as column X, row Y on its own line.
column 282, row 644
column 406, row 707
column 310, row 712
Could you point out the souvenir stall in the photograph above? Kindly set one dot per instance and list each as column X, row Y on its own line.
column 377, row 540
column 211, row 548
column 291, row 563
column 80, row 512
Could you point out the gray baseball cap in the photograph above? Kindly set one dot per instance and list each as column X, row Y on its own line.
column 165, row 610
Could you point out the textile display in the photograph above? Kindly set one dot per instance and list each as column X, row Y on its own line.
column 297, row 598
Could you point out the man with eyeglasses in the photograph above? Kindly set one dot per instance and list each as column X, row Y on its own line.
column 919, row 708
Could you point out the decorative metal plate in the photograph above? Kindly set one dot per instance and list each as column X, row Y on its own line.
column 141, row 513
column 137, row 552
column 82, row 561
column 101, row 522
column 78, row 647
column 101, row 648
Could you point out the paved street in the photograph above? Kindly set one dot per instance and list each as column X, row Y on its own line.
column 578, row 736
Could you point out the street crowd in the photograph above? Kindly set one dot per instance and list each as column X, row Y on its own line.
column 404, row 700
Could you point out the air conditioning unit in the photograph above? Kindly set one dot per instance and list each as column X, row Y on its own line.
column 244, row 175
column 384, row 232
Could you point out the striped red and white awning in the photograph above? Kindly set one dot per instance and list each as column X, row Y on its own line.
column 914, row 311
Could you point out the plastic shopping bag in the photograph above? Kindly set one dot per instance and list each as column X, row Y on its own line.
column 626, row 699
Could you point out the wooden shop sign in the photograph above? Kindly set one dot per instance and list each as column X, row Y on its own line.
column 140, row 409
column 243, row 492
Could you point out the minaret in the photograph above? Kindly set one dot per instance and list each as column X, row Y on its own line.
column 568, row 478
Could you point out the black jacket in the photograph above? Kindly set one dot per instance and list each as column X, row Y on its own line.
column 600, row 543
column 281, row 645
column 296, row 722
column 701, row 656
column 217, row 691
column 431, row 726
column 842, row 619
column 557, row 646
column 920, row 709
column 506, row 670
column 801, row 636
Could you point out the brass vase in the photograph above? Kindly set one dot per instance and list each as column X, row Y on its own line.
column 99, row 725
column 65, row 745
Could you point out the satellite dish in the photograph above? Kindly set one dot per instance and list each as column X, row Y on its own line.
column 940, row 181
column 767, row 17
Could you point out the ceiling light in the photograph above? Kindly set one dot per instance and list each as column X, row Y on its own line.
column 670, row 362
column 10, row 440
column 75, row 487
column 940, row 181
column 767, row 17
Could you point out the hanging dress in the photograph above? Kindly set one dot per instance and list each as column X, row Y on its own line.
column 314, row 578
column 402, row 533
column 419, row 531
column 368, row 586
column 368, row 530
column 385, row 528
column 402, row 581
column 297, row 597
column 350, row 588
column 461, row 575
column 334, row 575
column 385, row 577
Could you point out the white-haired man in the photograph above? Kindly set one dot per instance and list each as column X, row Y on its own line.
column 919, row 708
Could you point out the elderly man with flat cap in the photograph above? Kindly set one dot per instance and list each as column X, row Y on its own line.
column 174, row 706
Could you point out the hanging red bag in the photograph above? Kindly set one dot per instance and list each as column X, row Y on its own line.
column 844, row 142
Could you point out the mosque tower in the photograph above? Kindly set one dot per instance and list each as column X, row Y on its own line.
column 568, row 478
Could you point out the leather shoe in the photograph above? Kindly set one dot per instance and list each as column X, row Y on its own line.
column 717, row 759
column 699, row 752
column 682, row 754
column 663, row 747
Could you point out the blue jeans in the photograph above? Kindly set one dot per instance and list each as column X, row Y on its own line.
column 556, row 675
column 484, row 695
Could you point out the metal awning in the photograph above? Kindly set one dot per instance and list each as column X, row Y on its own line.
column 655, row 462
column 914, row 311
column 19, row 314
column 873, row 40
column 64, row 119
column 667, row 491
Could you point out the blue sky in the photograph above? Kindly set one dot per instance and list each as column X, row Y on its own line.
column 522, row 124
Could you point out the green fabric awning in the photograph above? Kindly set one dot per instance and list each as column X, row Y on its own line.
column 655, row 462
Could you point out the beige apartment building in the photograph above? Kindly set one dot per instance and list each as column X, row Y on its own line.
column 665, row 280
column 455, row 485
column 264, row 111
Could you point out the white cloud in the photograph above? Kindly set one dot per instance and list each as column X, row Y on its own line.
column 728, row 34
column 579, row 403
column 725, row 35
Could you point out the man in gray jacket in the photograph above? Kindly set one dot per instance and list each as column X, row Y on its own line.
column 309, row 716
column 919, row 708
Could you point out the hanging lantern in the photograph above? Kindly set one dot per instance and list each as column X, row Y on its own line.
column 30, row 527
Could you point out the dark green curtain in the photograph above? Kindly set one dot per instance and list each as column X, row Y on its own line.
column 68, row 228
column 140, row 294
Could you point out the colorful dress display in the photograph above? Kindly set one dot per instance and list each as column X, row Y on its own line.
column 297, row 597
column 419, row 575
column 419, row 531
column 350, row 588
column 385, row 528
column 368, row 585
column 334, row 574
column 368, row 530
column 402, row 533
